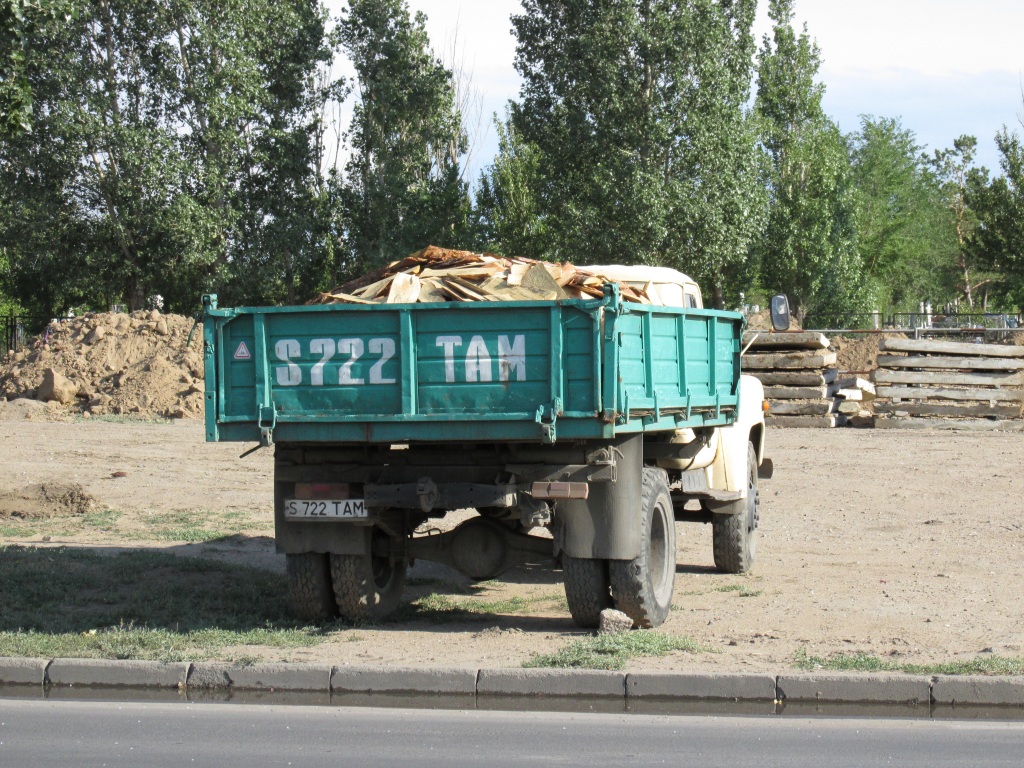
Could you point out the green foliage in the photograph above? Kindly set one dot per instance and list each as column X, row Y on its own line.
column 904, row 229
column 168, row 140
column 998, row 242
column 808, row 248
column 507, row 211
column 403, row 188
column 636, row 112
column 957, row 176
column 19, row 21
column 613, row 651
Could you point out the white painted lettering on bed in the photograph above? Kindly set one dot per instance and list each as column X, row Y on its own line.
column 478, row 362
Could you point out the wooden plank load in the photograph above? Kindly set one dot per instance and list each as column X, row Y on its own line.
column 440, row 274
column 949, row 385
column 799, row 376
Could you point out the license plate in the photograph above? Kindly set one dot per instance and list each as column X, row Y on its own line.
column 325, row 509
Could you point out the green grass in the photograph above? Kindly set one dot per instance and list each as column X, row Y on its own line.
column 139, row 605
column 864, row 662
column 189, row 525
column 181, row 525
column 102, row 520
column 613, row 651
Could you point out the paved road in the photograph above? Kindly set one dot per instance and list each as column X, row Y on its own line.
column 73, row 734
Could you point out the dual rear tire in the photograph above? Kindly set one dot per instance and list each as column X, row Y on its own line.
column 642, row 587
column 324, row 587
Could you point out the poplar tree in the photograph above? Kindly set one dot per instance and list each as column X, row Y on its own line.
column 636, row 110
column 808, row 249
column 403, row 188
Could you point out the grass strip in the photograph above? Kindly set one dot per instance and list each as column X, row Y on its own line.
column 140, row 605
column 864, row 662
column 613, row 651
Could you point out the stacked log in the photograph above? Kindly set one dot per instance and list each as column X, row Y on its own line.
column 949, row 385
column 799, row 375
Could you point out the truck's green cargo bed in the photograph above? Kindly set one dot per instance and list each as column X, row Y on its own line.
column 494, row 371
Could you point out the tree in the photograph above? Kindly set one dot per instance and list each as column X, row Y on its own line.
column 955, row 172
column 156, row 124
column 403, row 186
column 507, row 212
column 19, row 20
column 998, row 240
column 636, row 110
column 808, row 248
column 905, row 243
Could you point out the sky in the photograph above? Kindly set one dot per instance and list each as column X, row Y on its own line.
column 944, row 67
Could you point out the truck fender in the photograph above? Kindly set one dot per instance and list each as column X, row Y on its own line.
column 728, row 472
column 606, row 525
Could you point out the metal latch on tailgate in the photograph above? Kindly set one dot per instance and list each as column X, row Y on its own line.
column 267, row 422
column 547, row 415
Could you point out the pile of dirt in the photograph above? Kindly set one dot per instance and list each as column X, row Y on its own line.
column 859, row 354
column 113, row 363
column 45, row 500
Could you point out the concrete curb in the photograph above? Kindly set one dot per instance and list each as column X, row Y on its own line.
column 452, row 680
column 550, row 682
column 14, row 671
column 979, row 690
column 855, row 689
column 261, row 677
column 101, row 672
column 558, row 684
column 713, row 687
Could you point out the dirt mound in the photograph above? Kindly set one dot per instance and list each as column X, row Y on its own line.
column 44, row 501
column 762, row 321
column 859, row 354
column 113, row 364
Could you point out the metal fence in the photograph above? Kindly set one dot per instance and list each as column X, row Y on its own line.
column 18, row 331
column 914, row 321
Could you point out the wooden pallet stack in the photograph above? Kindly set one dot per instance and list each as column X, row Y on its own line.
column 949, row 385
column 798, row 372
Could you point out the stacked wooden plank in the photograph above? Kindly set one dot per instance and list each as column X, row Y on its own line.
column 798, row 372
column 949, row 385
column 440, row 274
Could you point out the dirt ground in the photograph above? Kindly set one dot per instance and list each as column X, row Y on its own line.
column 889, row 543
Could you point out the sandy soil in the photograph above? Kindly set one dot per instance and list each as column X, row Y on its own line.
column 889, row 543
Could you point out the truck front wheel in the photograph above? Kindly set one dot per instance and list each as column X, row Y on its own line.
column 586, row 589
column 309, row 585
column 642, row 587
column 367, row 587
column 735, row 535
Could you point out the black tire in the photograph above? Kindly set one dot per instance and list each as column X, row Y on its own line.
column 735, row 535
column 642, row 587
column 587, row 589
column 309, row 585
column 367, row 587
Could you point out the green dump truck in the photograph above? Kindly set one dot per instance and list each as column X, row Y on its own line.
column 579, row 431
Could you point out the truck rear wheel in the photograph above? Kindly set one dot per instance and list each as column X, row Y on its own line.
column 309, row 584
column 367, row 587
column 587, row 589
column 735, row 535
column 642, row 587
